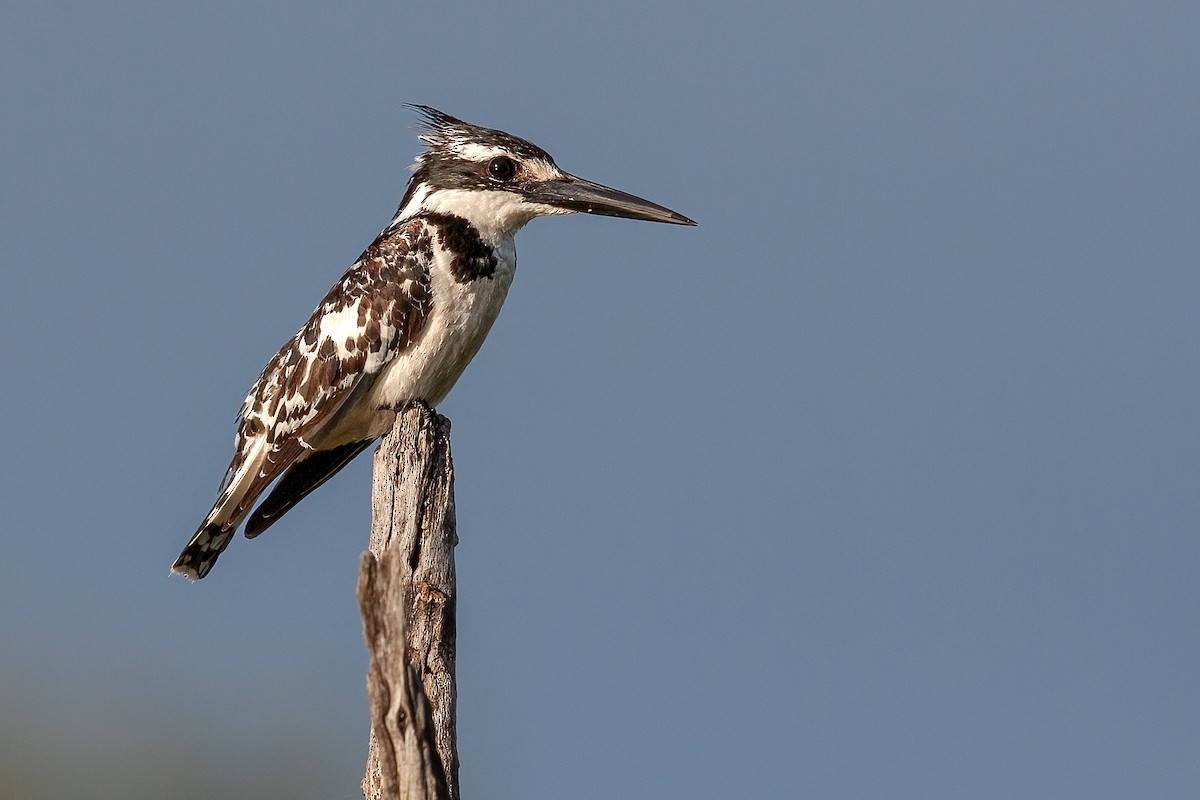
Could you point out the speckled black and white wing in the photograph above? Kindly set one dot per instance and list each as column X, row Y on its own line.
column 305, row 417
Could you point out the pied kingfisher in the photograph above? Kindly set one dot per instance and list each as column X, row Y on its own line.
column 400, row 325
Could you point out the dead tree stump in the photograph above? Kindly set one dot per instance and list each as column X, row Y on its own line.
column 406, row 595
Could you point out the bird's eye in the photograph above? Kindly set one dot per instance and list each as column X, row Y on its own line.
column 502, row 168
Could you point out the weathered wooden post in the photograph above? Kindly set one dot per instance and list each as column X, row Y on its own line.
column 406, row 595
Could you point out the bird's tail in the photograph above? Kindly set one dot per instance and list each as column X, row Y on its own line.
column 201, row 552
column 238, row 491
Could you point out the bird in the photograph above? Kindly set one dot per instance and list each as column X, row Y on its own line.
column 400, row 325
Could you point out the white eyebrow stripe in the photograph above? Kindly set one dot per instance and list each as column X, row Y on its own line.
column 473, row 151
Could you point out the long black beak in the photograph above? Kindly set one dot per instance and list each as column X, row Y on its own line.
column 576, row 194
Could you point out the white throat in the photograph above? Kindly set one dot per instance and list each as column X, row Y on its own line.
column 496, row 214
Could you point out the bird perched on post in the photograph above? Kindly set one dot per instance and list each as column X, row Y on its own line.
column 402, row 323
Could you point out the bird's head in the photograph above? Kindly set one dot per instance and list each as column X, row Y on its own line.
column 499, row 182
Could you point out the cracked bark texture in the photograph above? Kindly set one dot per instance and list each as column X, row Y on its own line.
column 406, row 595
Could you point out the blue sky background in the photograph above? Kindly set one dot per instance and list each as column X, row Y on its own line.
column 881, row 483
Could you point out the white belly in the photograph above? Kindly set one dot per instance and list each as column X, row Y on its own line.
column 458, row 322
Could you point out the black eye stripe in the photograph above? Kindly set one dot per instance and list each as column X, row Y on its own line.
column 502, row 168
